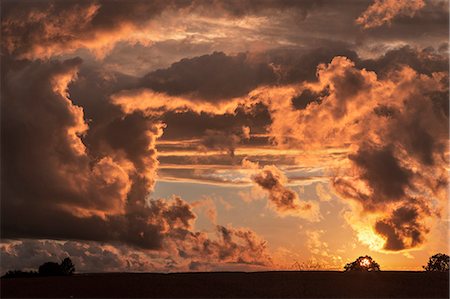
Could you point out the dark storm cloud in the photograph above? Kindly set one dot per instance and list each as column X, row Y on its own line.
column 307, row 97
column 382, row 172
column 238, row 8
column 187, row 125
column 424, row 61
column 300, row 65
column 212, row 77
column 144, row 229
column 59, row 182
column 51, row 186
column 403, row 229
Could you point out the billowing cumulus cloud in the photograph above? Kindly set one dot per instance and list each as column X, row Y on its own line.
column 397, row 130
column 40, row 89
column 62, row 180
column 383, row 11
column 97, row 194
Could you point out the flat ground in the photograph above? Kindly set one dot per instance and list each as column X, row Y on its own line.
column 307, row 284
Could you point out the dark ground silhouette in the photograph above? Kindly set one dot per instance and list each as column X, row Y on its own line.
column 295, row 284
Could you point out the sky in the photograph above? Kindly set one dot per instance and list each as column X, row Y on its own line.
column 188, row 135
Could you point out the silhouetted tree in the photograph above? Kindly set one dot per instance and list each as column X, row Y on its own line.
column 50, row 269
column 67, row 267
column 438, row 262
column 362, row 264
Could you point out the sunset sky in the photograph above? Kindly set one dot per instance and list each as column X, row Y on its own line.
column 205, row 135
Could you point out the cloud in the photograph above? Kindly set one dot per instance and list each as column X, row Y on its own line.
column 382, row 172
column 283, row 200
column 320, row 251
column 387, row 160
column 403, row 229
column 246, row 132
column 208, row 207
column 424, row 61
column 237, row 247
column 250, row 7
column 394, row 128
column 213, row 77
column 195, row 84
column 34, row 30
column 323, row 192
column 70, row 194
column 191, row 125
column 223, row 140
column 383, row 11
column 40, row 89
column 43, row 29
column 94, row 192
column 155, row 103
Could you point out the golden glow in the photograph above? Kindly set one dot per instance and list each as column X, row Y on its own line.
column 365, row 263
column 367, row 236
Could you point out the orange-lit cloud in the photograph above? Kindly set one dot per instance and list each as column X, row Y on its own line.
column 282, row 199
column 46, row 29
column 154, row 103
column 379, row 118
column 198, row 252
column 395, row 130
column 305, row 96
column 384, row 11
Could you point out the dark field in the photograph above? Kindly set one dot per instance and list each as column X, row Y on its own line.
column 312, row 284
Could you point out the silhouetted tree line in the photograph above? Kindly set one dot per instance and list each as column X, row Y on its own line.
column 65, row 268
column 437, row 263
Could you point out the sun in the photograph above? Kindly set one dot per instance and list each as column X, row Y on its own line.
column 365, row 262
